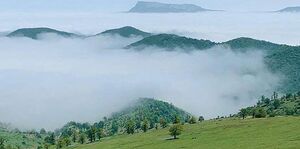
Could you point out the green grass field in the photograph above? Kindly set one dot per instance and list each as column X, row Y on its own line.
column 269, row 133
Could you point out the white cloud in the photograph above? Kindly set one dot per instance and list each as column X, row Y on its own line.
column 48, row 82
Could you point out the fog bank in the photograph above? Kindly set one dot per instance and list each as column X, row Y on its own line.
column 48, row 82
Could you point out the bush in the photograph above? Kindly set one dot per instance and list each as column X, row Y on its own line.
column 260, row 113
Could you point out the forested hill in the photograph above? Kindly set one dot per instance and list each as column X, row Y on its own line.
column 126, row 31
column 150, row 109
column 34, row 33
column 171, row 42
column 144, row 109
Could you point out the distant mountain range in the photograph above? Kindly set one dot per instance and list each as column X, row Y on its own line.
column 290, row 9
column 34, row 33
column 156, row 7
column 283, row 59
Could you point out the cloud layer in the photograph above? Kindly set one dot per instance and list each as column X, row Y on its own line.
column 48, row 82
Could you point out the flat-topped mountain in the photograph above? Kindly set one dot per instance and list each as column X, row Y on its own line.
column 156, row 7
column 33, row 33
column 290, row 9
column 126, row 31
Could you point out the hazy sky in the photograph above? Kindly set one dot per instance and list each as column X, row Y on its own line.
column 123, row 5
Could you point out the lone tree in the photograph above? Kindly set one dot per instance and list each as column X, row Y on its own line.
column 92, row 134
column 100, row 133
column 243, row 113
column 145, row 125
column 176, row 130
column 130, row 127
column 201, row 118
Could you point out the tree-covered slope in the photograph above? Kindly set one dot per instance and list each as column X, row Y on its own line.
column 150, row 109
column 126, row 31
column 171, row 42
column 280, row 59
column 144, row 109
column 285, row 105
column 33, row 33
column 13, row 138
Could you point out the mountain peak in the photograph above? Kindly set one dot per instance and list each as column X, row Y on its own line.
column 126, row 31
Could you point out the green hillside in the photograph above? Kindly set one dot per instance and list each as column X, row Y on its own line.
column 33, row 33
column 126, row 31
column 288, row 104
column 17, row 139
column 270, row 133
column 171, row 42
column 280, row 59
column 283, row 59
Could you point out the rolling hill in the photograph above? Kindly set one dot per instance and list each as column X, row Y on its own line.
column 34, row 33
column 126, row 31
column 171, row 42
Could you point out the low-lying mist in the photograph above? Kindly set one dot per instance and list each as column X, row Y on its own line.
column 48, row 82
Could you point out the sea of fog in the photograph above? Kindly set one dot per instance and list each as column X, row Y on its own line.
column 48, row 82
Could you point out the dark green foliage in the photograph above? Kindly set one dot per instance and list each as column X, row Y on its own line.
column 260, row 112
column 171, row 42
column 82, row 138
column 74, row 136
column 201, row 118
column 91, row 134
column 126, row 31
column 145, row 125
column 100, row 133
column 150, row 109
column 163, row 123
column 130, row 126
column 50, row 139
column 175, row 130
column 35, row 32
column 243, row 113
column 2, row 141
column 114, row 127
column 285, row 105
column 176, row 119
